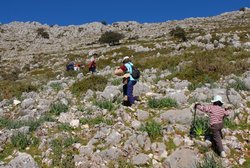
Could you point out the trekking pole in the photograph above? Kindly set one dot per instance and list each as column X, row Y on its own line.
column 192, row 132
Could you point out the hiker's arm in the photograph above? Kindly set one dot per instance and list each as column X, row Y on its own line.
column 203, row 108
column 119, row 72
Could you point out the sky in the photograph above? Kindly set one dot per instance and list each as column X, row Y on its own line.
column 77, row 12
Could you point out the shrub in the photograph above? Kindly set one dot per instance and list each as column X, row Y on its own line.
column 56, row 86
column 64, row 127
column 201, row 126
column 104, row 22
column 111, row 38
column 179, row 33
column 153, row 129
column 20, row 140
column 42, row 33
column 212, row 65
column 209, row 162
column 238, row 85
column 71, row 73
column 161, row 103
column 104, row 104
column 229, row 123
column 11, row 89
column 193, row 86
column 58, row 108
column 116, row 82
column 10, row 124
column 32, row 124
column 96, row 83
column 243, row 9
column 69, row 141
column 170, row 145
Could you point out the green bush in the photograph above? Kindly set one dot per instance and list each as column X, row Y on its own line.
column 104, row 23
column 201, row 126
column 238, row 85
column 69, row 141
column 42, row 33
column 161, row 103
column 95, row 83
column 179, row 33
column 32, row 124
column 20, row 140
column 58, row 108
column 116, row 82
column 207, row 66
column 209, row 162
column 105, row 104
column 153, row 129
column 71, row 73
column 170, row 145
column 64, row 127
column 56, row 86
column 111, row 38
column 229, row 123
column 10, row 124
column 242, row 9
column 10, row 89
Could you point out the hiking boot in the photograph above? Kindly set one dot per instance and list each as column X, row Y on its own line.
column 131, row 108
column 126, row 103
column 223, row 154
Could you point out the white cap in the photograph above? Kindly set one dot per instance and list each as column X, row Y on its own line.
column 126, row 57
column 217, row 98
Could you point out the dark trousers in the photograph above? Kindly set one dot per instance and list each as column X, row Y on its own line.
column 217, row 136
column 130, row 89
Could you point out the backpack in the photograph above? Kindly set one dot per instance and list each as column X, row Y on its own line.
column 135, row 72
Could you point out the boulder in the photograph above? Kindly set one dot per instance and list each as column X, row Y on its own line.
column 184, row 158
column 110, row 93
column 183, row 116
column 21, row 161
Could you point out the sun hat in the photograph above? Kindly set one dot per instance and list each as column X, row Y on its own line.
column 217, row 98
column 126, row 57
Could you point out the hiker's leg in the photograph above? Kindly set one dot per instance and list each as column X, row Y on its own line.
column 216, row 131
column 125, row 89
column 130, row 91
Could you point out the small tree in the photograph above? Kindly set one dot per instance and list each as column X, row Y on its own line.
column 179, row 33
column 42, row 33
column 104, row 22
column 243, row 9
column 112, row 38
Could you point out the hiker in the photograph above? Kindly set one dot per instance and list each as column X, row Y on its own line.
column 216, row 114
column 92, row 65
column 125, row 70
column 70, row 66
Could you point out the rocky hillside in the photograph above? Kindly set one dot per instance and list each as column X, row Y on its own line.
column 53, row 118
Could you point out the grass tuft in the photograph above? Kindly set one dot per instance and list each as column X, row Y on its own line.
column 161, row 103
column 153, row 129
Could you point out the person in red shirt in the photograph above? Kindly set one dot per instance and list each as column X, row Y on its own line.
column 92, row 66
column 216, row 114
